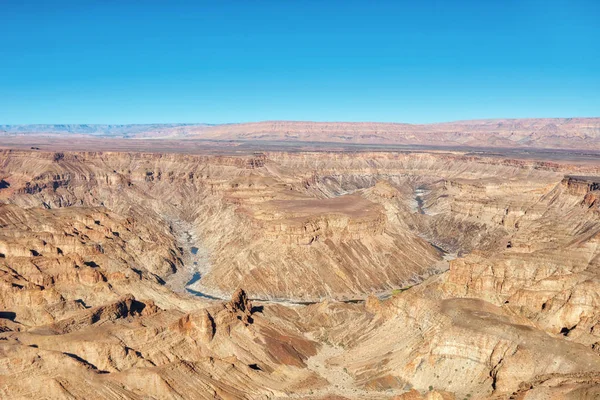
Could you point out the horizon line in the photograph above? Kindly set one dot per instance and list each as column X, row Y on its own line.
column 296, row 121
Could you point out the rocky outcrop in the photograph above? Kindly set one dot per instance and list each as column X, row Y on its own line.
column 581, row 185
column 200, row 325
column 241, row 306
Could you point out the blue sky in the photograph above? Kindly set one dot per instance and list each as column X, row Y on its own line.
column 233, row 61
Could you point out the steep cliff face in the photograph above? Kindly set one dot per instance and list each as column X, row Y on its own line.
column 549, row 271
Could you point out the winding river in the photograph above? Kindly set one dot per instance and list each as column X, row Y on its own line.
column 197, row 255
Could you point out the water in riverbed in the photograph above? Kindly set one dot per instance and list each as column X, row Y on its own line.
column 419, row 193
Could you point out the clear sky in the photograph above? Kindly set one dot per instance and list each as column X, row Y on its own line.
column 232, row 61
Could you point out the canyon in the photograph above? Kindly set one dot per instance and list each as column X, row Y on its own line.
column 231, row 270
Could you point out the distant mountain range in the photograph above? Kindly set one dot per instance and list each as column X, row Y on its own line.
column 568, row 133
column 101, row 130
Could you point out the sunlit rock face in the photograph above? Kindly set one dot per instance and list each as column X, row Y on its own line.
column 317, row 275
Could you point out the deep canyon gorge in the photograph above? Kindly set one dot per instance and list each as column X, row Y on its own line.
column 297, row 273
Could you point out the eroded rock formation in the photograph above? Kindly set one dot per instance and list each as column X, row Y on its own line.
column 369, row 275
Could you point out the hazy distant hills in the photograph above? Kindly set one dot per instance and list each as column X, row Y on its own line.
column 568, row 133
column 554, row 133
column 126, row 130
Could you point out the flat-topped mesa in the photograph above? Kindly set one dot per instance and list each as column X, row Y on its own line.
column 581, row 185
column 309, row 220
column 587, row 188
